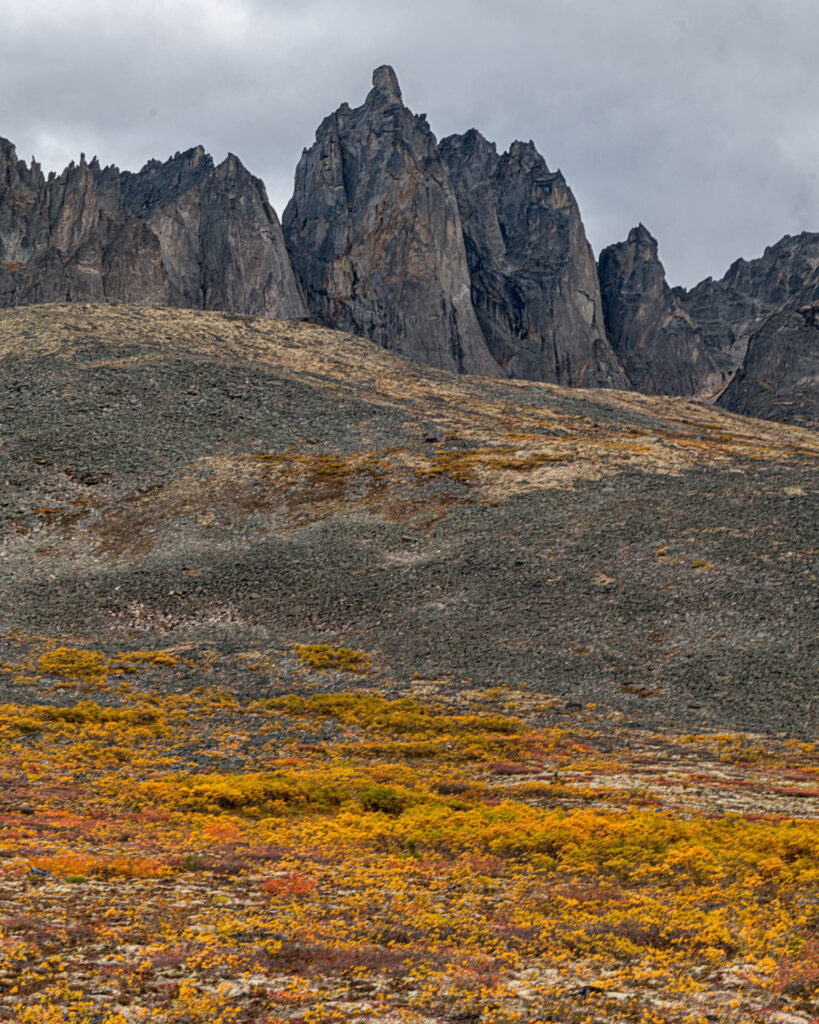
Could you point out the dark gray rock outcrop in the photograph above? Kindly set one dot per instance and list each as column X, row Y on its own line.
column 730, row 310
column 779, row 376
column 697, row 342
column 450, row 254
column 660, row 347
column 533, row 275
column 180, row 233
column 375, row 235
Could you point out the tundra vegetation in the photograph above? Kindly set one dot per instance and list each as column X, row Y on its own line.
column 338, row 688
column 337, row 851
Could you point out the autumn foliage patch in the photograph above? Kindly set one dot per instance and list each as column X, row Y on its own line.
column 315, row 857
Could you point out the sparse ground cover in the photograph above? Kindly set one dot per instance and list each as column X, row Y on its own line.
column 178, row 476
column 302, row 837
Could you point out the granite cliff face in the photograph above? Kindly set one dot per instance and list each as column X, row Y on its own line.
column 533, row 275
column 180, row 233
column 698, row 342
column 375, row 236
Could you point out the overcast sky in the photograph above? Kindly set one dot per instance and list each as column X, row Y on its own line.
column 699, row 118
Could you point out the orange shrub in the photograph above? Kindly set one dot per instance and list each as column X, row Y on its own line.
column 289, row 886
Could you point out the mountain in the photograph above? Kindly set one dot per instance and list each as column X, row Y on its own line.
column 778, row 378
column 495, row 681
column 179, row 233
column 533, row 274
column 451, row 254
column 376, row 238
column 391, row 234
column 659, row 346
column 727, row 340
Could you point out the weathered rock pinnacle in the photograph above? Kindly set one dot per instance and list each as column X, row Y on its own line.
column 662, row 350
column 533, row 275
column 375, row 235
column 385, row 90
column 747, row 341
column 178, row 233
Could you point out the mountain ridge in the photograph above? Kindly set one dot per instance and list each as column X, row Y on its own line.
column 183, row 232
column 447, row 252
column 716, row 321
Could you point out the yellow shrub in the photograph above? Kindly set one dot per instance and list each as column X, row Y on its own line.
column 72, row 663
column 324, row 657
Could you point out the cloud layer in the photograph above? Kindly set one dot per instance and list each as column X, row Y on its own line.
column 698, row 119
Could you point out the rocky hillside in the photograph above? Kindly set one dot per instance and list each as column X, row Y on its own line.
column 448, row 253
column 174, row 477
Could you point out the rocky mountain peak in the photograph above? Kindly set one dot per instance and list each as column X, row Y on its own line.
column 8, row 152
column 159, row 182
column 643, row 239
column 532, row 273
column 526, row 154
column 638, row 260
column 645, row 318
column 14, row 172
column 376, row 238
column 696, row 342
column 385, row 91
column 178, row 233
column 453, row 254
column 470, row 151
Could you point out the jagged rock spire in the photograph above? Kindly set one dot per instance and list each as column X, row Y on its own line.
column 178, row 233
column 386, row 90
column 533, row 274
column 376, row 238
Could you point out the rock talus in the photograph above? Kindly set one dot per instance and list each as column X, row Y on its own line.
column 375, row 235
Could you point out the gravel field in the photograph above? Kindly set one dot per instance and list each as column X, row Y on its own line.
column 176, row 478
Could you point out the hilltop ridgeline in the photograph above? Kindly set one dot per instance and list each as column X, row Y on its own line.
column 448, row 253
column 206, row 478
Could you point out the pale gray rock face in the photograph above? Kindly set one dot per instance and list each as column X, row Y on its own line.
column 778, row 379
column 533, row 276
column 180, row 233
column 375, row 235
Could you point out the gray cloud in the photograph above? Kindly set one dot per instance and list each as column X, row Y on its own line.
column 698, row 119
